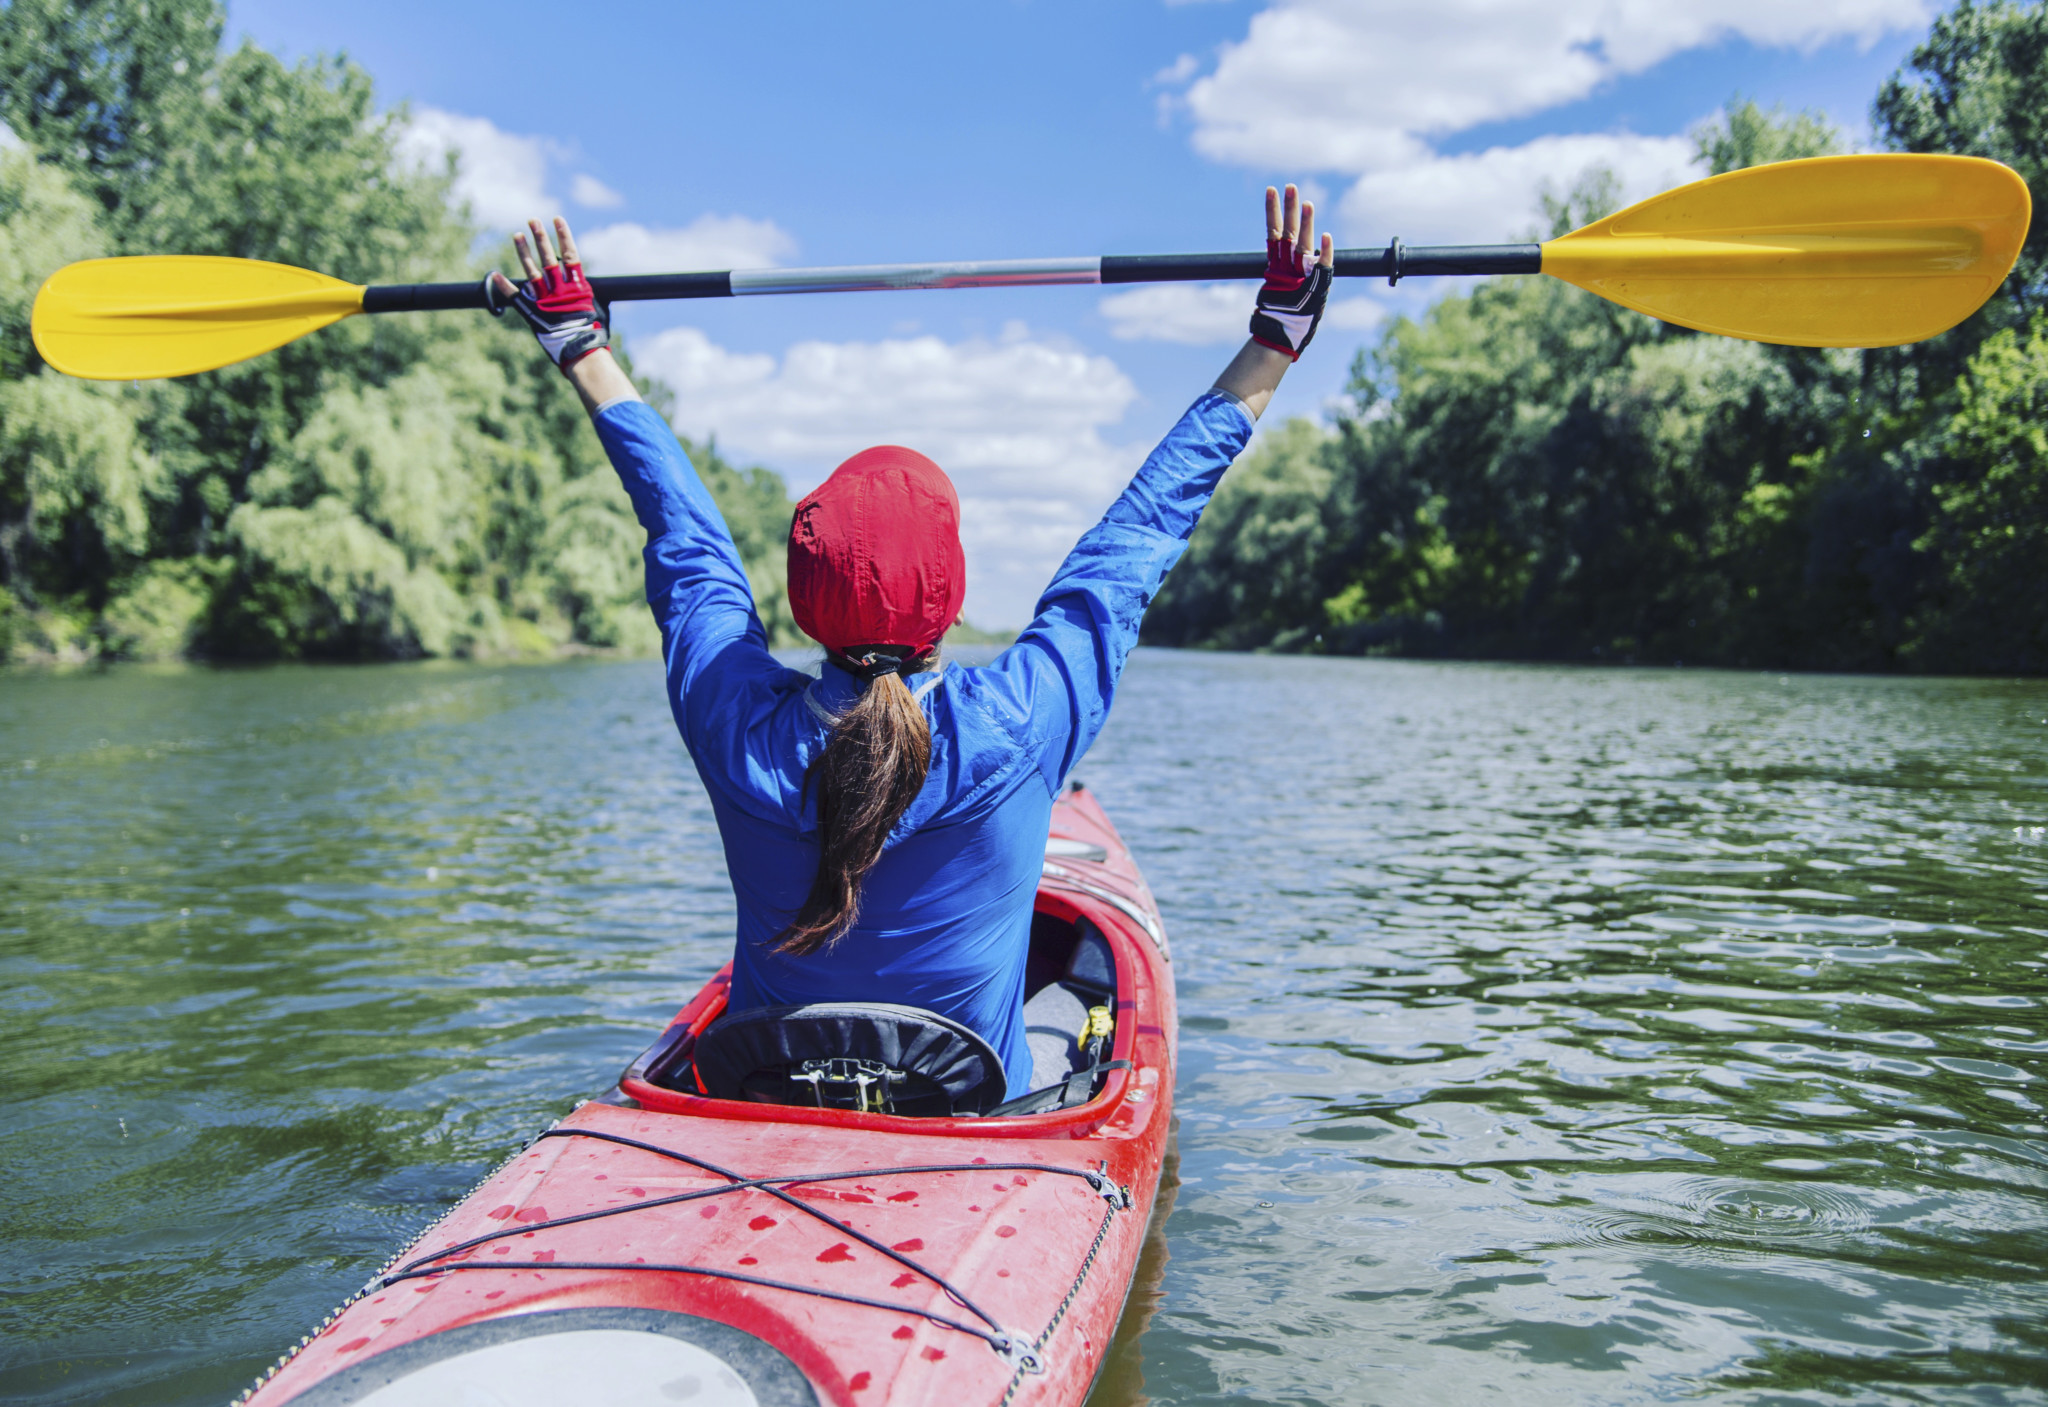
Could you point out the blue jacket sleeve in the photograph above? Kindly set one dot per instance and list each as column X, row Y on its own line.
column 721, row 677
column 1062, row 673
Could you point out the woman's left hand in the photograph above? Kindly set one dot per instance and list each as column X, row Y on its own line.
column 561, row 307
column 556, row 300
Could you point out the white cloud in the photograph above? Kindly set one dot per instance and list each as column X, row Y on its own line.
column 8, row 141
column 1361, row 85
column 1017, row 421
column 1483, row 197
column 1354, row 314
column 1194, row 314
column 708, row 242
column 501, row 175
column 1209, row 314
column 1370, row 88
column 593, row 194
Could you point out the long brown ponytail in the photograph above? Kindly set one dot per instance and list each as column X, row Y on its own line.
column 870, row 771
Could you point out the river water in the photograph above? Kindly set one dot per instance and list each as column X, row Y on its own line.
column 1587, row 1036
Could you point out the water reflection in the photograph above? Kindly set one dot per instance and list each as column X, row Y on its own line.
column 1599, row 1036
column 1584, row 1035
column 1121, row 1383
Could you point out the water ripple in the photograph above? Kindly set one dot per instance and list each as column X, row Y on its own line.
column 1585, row 1036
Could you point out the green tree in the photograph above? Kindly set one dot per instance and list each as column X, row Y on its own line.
column 389, row 487
column 1747, row 135
column 1253, row 574
column 1978, row 86
column 75, row 470
column 1531, row 472
column 100, row 85
column 1988, row 610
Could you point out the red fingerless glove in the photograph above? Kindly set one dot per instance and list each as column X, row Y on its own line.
column 1291, row 300
column 562, row 309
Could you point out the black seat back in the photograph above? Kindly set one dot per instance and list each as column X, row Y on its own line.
column 871, row 1056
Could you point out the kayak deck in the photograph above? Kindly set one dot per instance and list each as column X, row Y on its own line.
column 809, row 1255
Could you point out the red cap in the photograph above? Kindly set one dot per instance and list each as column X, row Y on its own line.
column 874, row 554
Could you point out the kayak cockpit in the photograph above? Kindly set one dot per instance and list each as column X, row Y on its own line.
column 868, row 1057
column 882, row 1058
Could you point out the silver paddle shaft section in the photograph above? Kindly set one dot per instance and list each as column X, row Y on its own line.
column 866, row 278
column 1393, row 263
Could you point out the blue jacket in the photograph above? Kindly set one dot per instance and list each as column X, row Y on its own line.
column 945, row 916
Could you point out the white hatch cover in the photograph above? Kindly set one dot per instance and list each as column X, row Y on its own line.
column 616, row 1357
column 1065, row 849
column 618, row 1367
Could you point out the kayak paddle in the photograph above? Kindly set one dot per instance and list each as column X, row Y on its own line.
column 1833, row 251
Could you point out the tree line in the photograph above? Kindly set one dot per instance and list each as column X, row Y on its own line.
column 394, row 487
column 1526, row 471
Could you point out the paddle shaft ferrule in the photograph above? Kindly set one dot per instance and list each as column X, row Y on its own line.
column 1396, row 261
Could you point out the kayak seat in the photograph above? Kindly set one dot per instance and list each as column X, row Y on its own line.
column 870, row 1056
column 1053, row 1020
column 1057, row 1013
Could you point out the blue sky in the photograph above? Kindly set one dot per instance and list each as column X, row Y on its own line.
column 710, row 136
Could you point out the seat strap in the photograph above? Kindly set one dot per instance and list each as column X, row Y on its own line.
column 1080, row 1086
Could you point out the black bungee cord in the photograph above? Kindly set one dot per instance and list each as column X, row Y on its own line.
column 1011, row 1346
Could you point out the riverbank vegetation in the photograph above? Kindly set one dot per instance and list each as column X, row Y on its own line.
column 1526, row 471
column 395, row 487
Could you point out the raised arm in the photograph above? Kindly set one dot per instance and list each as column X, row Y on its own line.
column 697, row 586
column 1063, row 671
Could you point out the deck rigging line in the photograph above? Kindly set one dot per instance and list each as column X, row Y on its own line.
column 1014, row 1347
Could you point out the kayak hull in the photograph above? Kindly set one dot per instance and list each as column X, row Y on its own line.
column 875, row 1258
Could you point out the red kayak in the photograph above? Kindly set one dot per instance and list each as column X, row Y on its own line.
column 814, row 1205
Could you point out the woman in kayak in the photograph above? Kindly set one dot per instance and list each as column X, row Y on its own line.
column 884, row 824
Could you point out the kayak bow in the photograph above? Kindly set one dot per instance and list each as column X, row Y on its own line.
column 658, row 1241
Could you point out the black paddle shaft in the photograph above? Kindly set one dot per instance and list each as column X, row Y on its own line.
column 1393, row 263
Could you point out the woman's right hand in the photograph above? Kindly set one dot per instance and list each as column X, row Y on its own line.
column 558, row 303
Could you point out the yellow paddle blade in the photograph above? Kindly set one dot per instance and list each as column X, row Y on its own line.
column 1834, row 251
column 175, row 314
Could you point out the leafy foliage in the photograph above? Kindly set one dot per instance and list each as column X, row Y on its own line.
column 1530, row 472
column 1990, row 527
column 1979, row 87
column 1747, row 135
column 391, row 487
